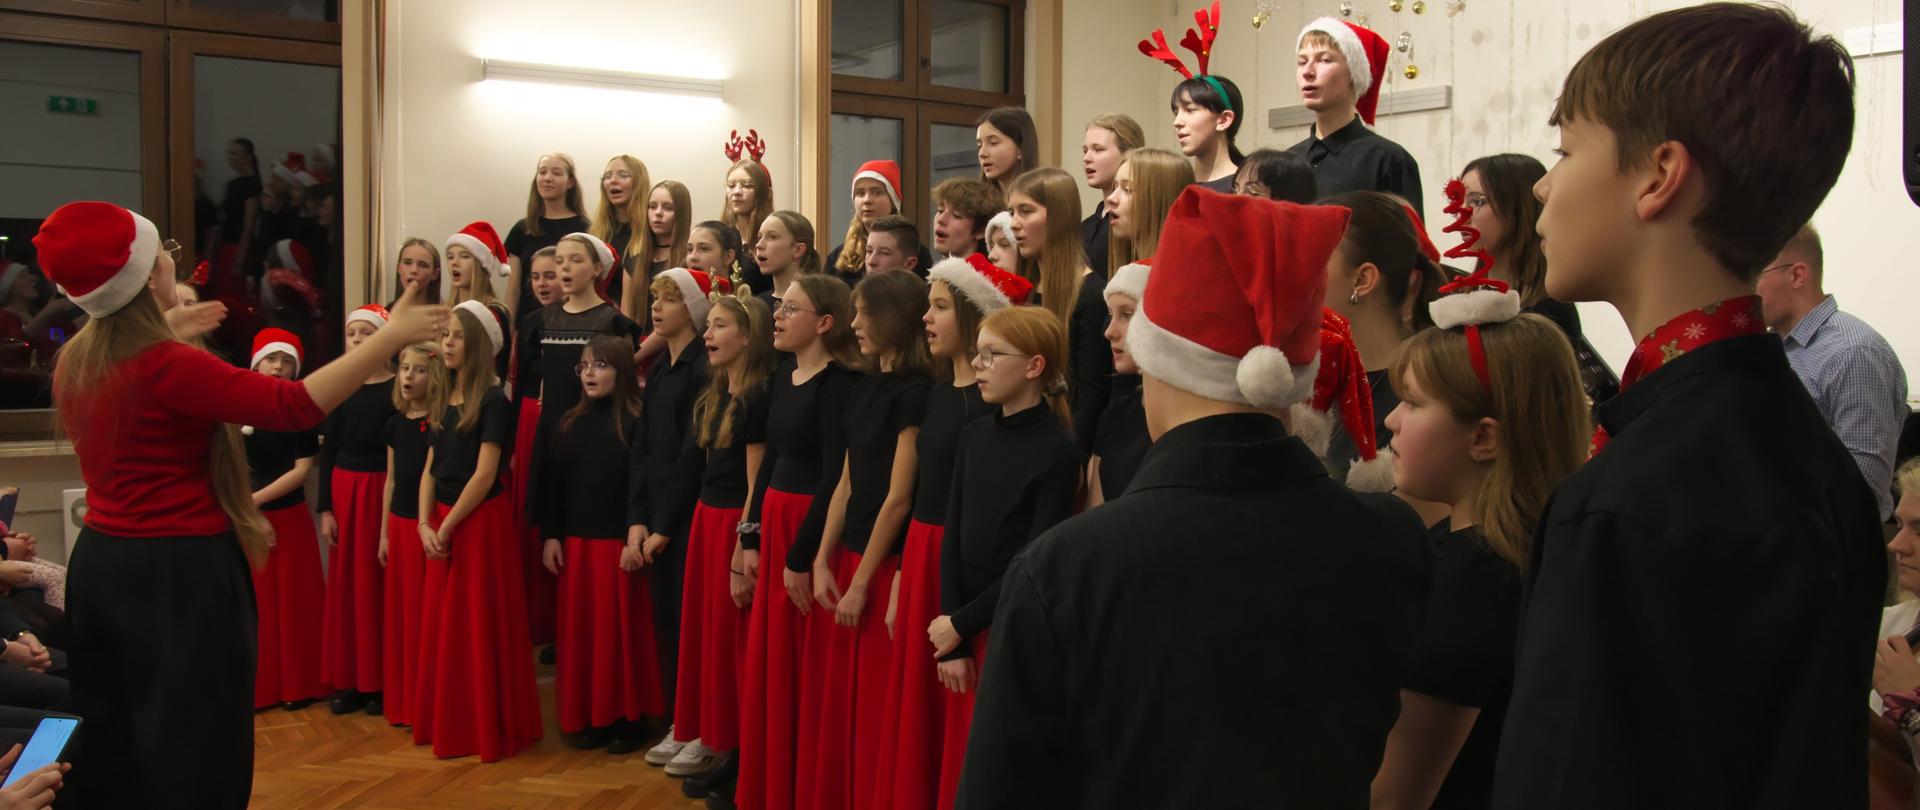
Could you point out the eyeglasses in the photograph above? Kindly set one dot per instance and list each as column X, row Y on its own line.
column 987, row 357
column 1476, row 199
column 788, row 310
column 741, row 185
column 172, row 248
column 597, row 365
column 1777, row 267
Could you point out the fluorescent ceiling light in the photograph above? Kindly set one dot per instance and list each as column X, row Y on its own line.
column 528, row 71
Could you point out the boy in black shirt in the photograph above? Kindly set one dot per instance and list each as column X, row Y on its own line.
column 1341, row 66
column 1701, row 605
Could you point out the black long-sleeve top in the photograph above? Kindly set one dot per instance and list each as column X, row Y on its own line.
column 526, row 375
column 408, row 439
column 584, row 493
column 1355, row 158
column 950, row 408
column 522, row 245
column 271, row 453
column 456, row 454
column 1121, row 441
column 1096, row 234
column 716, row 475
column 1015, row 478
column 806, row 447
column 355, row 437
column 665, row 417
column 556, row 344
column 881, row 405
column 1092, row 380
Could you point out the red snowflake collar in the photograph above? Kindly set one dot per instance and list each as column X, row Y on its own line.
column 1734, row 317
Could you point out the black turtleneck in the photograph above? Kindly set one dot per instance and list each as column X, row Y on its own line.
column 584, row 493
column 1014, row 479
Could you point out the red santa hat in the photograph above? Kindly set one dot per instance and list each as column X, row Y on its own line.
column 1234, row 314
column 601, row 252
column 1366, row 53
column 273, row 339
column 885, row 171
column 490, row 323
column 289, row 168
column 371, row 313
column 483, row 242
column 1342, row 381
column 98, row 254
column 1002, row 221
column 293, row 256
column 983, row 284
column 696, row 290
column 1130, row 280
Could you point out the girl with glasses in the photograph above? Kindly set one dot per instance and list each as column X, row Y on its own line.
column 806, row 446
column 1016, row 476
column 607, row 675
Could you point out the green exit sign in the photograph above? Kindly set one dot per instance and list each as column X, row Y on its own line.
column 72, row 105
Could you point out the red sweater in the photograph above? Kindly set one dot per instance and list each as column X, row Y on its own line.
column 143, row 435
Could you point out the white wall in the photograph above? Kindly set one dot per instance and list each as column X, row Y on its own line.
column 281, row 106
column 1506, row 60
column 47, row 158
column 465, row 149
column 1103, row 72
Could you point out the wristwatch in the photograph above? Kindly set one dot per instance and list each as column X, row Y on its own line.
column 747, row 528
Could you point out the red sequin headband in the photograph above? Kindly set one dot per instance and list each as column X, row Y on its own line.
column 1476, row 298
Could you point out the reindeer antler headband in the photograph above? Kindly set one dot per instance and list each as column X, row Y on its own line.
column 1200, row 42
column 752, row 146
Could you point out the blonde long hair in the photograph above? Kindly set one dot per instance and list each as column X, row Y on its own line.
column 606, row 220
column 472, row 379
column 1537, row 398
column 1035, row 331
column 749, row 227
column 1155, row 179
column 89, row 361
column 715, row 422
column 1056, row 273
column 536, row 207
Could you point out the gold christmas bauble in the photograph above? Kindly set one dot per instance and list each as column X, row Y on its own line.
column 1394, row 5
column 1419, row 6
column 1413, row 71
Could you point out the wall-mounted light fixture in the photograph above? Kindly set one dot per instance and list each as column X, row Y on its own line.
column 528, row 71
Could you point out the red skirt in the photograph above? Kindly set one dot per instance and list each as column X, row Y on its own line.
column 350, row 651
column 959, row 721
column 288, row 591
column 853, row 697
column 912, row 732
column 713, row 633
column 543, row 588
column 400, row 631
column 608, row 668
column 776, row 636
column 475, row 692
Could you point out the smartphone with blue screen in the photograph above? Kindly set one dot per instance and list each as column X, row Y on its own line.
column 47, row 746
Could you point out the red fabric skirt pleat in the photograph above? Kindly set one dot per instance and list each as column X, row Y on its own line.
column 852, row 697
column 607, row 668
column 913, row 729
column 712, row 635
column 958, row 722
column 351, row 647
column 475, row 692
column 776, row 638
column 543, row 588
column 288, row 592
column 400, row 631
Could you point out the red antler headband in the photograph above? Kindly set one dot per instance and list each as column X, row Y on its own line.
column 752, row 146
column 1476, row 298
column 1200, row 42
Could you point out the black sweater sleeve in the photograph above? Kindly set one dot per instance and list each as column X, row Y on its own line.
column 329, row 450
column 637, row 493
column 953, row 583
column 833, row 457
column 684, row 490
column 761, row 480
column 1052, row 496
column 1092, row 367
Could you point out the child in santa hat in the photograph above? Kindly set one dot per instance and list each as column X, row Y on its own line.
column 288, row 587
column 1121, row 439
column 963, row 292
column 476, row 261
column 1015, row 475
column 408, row 436
column 1342, row 66
column 475, row 598
column 352, row 482
column 876, row 193
column 1264, row 607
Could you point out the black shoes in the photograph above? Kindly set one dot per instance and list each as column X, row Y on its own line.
column 547, row 655
column 374, row 706
column 716, row 781
column 586, row 740
column 627, row 737
column 347, row 701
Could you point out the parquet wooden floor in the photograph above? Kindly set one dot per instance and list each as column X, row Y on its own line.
column 312, row 759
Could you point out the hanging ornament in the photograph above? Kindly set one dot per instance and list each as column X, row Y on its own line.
column 1346, row 8
column 1364, row 19
column 1412, row 71
column 1405, row 42
column 1419, row 6
column 1394, row 6
column 1456, row 6
column 1405, row 45
column 1262, row 12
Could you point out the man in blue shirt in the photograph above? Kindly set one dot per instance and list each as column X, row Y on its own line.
column 1851, row 371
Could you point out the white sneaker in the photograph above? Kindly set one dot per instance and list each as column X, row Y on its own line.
column 692, row 759
column 665, row 751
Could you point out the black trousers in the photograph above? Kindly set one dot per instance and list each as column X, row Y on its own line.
column 33, row 690
column 162, row 668
column 669, row 577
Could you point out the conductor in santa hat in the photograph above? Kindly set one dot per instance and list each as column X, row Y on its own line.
column 158, row 592
column 1342, row 66
column 1233, row 632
